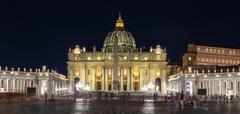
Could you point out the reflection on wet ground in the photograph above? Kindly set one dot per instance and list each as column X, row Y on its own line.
column 114, row 107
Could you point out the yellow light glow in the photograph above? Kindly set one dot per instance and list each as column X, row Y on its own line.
column 89, row 58
column 145, row 58
column 98, row 58
column 136, row 58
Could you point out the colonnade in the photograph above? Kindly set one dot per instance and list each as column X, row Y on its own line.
column 220, row 87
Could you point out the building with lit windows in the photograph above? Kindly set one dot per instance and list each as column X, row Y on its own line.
column 198, row 55
column 38, row 82
column 138, row 69
column 214, row 69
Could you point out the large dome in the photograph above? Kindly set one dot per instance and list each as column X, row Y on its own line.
column 126, row 41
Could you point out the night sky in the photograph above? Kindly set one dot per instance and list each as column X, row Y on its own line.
column 35, row 33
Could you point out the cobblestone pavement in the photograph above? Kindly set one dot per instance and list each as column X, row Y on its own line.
column 115, row 107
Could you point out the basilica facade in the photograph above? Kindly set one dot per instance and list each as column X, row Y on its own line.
column 138, row 69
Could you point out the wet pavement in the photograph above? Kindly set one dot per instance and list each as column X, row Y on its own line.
column 115, row 107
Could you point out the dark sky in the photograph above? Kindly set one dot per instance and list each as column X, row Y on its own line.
column 35, row 33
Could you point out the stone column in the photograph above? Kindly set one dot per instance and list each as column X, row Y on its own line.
column 20, row 85
column 121, row 74
column 102, row 80
column 140, row 78
column 13, row 85
column 128, row 80
column 106, row 78
column 24, row 86
column 0, row 83
column 94, row 80
column 131, row 79
column 7, row 84
column 235, row 87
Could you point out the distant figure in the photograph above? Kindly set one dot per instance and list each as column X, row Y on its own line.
column 182, row 100
column 177, row 100
column 172, row 102
column 106, row 95
column 194, row 100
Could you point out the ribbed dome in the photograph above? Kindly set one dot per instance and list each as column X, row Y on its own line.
column 126, row 41
column 125, row 38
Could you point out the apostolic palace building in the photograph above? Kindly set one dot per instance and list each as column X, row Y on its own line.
column 123, row 67
column 214, row 69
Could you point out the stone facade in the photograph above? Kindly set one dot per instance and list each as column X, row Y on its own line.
column 138, row 69
column 42, row 80
column 220, row 81
column 209, row 55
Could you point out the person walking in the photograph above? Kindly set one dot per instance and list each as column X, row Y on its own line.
column 194, row 101
column 182, row 100
column 172, row 97
column 177, row 101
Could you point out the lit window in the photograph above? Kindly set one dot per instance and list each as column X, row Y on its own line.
column 109, row 57
column 89, row 58
column 145, row 58
column 206, row 49
column 189, row 58
column 77, row 72
column 198, row 59
column 124, row 71
column 218, row 50
column 198, row 49
column 136, row 58
column 125, row 58
column 230, row 51
column 76, row 58
column 211, row 49
column 109, row 72
column 222, row 51
column 98, row 58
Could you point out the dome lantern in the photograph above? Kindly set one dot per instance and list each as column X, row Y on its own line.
column 119, row 23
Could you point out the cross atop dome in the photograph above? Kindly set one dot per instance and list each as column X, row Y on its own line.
column 119, row 16
column 119, row 23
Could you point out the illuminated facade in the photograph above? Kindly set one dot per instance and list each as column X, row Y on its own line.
column 218, row 81
column 209, row 55
column 215, row 69
column 40, row 82
column 138, row 69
